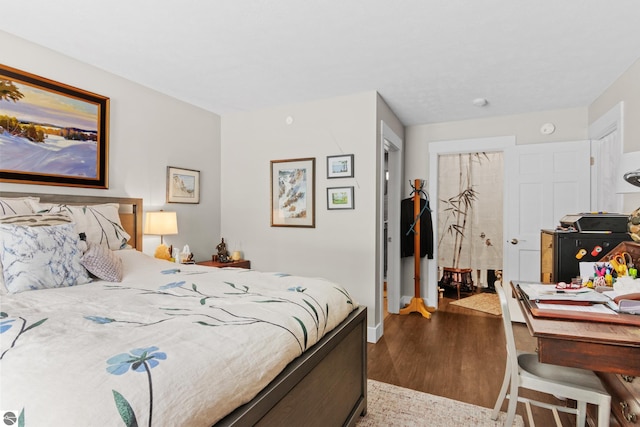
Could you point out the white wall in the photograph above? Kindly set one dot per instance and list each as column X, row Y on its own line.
column 625, row 89
column 571, row 125
column 148, row 132
column 342, row 246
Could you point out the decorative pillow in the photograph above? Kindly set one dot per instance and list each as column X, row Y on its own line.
column 36, row 220
column 102, row 263
column 40, row 257
column 17, row 205
column 33, row 220
column 100, row 223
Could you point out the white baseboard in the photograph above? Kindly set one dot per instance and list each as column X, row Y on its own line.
column 374, row 333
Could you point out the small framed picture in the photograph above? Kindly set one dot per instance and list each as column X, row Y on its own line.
column 340, row 198
column 340, row 166
column 183, row 185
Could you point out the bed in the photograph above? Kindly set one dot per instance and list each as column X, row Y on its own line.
column 170, row 344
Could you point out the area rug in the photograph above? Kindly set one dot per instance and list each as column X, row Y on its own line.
column 486, row 302
column 392, row 406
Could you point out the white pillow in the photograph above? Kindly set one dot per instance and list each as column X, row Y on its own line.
column 100, row 223
column 17, row 205
column 41, row 257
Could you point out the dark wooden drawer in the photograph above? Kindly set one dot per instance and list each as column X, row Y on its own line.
column 625, row 398
column 242, row 263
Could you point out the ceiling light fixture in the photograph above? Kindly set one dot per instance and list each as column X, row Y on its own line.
column 480, row 102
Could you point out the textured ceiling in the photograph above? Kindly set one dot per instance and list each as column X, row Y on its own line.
column 427, row 58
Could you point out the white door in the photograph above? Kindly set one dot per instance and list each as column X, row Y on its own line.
column 544, row 182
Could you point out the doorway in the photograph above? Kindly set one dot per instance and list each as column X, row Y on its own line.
column 542, row 183
column 436, row 150
column 470, row 226
column 391, row 172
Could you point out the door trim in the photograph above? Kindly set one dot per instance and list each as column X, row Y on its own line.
column 391, row 142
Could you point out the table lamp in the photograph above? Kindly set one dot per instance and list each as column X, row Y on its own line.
column 629, row 173
column 161, row 224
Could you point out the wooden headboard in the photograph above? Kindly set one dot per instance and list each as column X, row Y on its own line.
column 130, row 209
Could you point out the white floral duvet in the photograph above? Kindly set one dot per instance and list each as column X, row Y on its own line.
column 170, row 345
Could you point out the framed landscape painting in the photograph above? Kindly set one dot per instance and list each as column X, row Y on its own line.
column 183, row 185
column 340, row 166
column 51, row 133
column 340, row 198
column 293, row 193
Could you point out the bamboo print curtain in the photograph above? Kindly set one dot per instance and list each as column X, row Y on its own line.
column 470, row 192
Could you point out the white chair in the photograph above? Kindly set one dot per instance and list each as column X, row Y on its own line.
column 523, row 370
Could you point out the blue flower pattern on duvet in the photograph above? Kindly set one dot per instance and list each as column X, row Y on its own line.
column 144, row 359
column 7, row 324
column 312, row 307
column 137, row 360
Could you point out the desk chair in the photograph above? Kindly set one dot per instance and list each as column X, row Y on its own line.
column 523, row 370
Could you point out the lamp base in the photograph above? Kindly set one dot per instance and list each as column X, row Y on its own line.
column 162, row 252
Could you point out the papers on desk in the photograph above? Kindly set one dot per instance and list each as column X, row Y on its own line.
column 541, row 293
column 544, row 301
column 629, row 306
column 585, row 300
column 594, row 308
column 624, row 305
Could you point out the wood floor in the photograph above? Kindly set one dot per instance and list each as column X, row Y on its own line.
column 459, row 353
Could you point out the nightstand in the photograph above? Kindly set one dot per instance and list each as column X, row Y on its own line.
column 241, row 263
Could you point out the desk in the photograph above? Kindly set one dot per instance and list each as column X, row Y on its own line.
column 595, row 346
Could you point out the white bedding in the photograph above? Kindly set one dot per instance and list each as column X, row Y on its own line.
column 183, row 344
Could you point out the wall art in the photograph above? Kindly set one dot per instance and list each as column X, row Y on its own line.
column 293, row 193
column 340, row 198
column 340, row 166
column 51, row 133
column 183, row 185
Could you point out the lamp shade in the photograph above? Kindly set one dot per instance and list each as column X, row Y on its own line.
column 161, row 223
column 629, row 173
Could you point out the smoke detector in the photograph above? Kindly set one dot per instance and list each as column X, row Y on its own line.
column 480, row 102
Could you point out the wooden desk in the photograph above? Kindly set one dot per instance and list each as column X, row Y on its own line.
column 595, row 346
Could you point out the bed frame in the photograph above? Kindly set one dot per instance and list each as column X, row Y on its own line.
column 325, row 386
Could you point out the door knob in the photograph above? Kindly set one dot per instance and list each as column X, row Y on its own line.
column 514, row 241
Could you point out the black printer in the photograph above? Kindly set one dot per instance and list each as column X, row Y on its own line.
column 584, row 237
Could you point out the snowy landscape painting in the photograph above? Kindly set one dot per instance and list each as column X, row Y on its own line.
column 51, row 133
column 292, row 191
